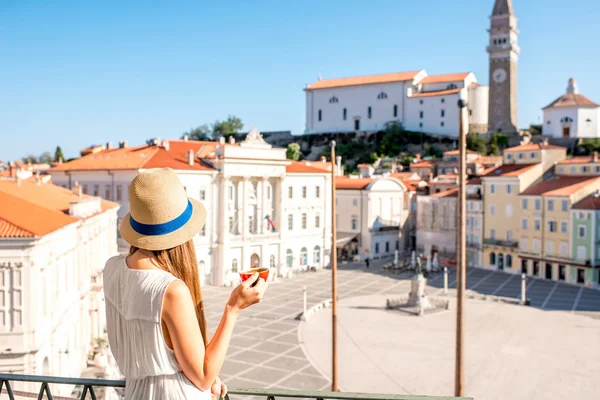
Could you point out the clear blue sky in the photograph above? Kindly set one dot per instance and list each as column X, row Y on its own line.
column 73, row 73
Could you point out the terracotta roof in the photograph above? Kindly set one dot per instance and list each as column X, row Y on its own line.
column 411, row 185
column 422, row 164
column 8, row 230
column 455, row 152
column 561, row 186
column 580, row 160
column 591, row 202
column 363, row 165
column 443, row 78
column 5, row 173
column 296, row 167
column 345, row 183
column 436, row 93
column 532, row 147
column 508, row 170
column 326, row 166
column 405, row 176
column 447, row 193
column 363, row 80
column 474, row 181
column 490, row 160
column 571, row 100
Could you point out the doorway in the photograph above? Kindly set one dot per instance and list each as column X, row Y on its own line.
column 536, row 268
column 548, row 271
column 561, row 273
column 500, row 261
column 580, row 275
column 524, row 266
column 254, row 261
column 357, row 124
column 566, row 132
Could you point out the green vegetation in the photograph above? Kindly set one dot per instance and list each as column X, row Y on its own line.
column 231, row 126
column 293, row 151
column 591, row 145
column 58, row 154
column 498, row 142
column 477, row 143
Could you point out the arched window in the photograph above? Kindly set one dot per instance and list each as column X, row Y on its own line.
column 272, row 261
column 492, row 258
column 369, row 112
column 317, row 255
column 234, row 265
column 566, row 120
column 451, row 86
column 509, row 261
column 289, row 258
column 334, row 99
column 345, row 114
column 500, row 261
column 303, row 256
column 382, row 96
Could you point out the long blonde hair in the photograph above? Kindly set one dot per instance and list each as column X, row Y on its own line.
column 181, row 262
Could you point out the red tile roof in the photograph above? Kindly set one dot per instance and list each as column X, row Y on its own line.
column 8, row 230
column 363, row 80
column 411, row 185
column 571, row 100
column 508, row 170
column 580, row 160
column 326, row 166
column 455, row 152
column 561, row 186
column 447, row 193
column 345, row 183
column 421, row 164
column 591, row 202
column 296, row 167
column 533, row 147
column 443, row 78
column 436, row 93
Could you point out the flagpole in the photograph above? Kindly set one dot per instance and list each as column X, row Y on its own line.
column 334, row 381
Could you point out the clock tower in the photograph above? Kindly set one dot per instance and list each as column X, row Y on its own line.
column 504, row 53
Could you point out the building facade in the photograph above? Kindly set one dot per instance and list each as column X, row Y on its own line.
column 585, row 240
column 419, row 102
column 436, row 224
column 53, row 243
column 474, row 204
column 262, row 209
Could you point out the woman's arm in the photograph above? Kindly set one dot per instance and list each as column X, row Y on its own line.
column 202, row 366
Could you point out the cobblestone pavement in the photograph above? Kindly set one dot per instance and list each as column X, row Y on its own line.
column 265, row 351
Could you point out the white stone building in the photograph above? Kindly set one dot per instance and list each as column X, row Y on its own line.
column 53, row 246
column 572, row 115
column 262, row 208
column 474, row 222
column 418, row 101
column 372, row 217
column 436, row 224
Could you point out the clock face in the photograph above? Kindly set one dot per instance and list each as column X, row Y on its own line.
column 499, row 75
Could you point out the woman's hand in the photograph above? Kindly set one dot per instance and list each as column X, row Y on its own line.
column 245, row 294
column 218, row 389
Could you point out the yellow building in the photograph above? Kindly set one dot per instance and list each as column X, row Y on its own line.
column 523, row 167
column 584, row 165
column 545, row 226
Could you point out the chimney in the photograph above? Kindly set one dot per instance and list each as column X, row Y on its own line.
column 222, row 140
column 109, row 145
column 231, row 140
column 323, row 159
column 77, row 190
column 595, row 156
column 191, row 157
column 185, row 138
column 18, row 180
column 166, row 145
column 60, row 160
column 338, row 164
column 418, row 157
column 38, row 181
column 13, row 169
column 123, row 144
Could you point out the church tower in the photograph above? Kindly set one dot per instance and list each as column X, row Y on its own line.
column 504, row 53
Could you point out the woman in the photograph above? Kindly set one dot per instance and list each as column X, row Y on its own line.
column 155, row 315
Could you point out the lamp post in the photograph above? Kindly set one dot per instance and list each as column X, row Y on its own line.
column 334, row 382
column 459, row 378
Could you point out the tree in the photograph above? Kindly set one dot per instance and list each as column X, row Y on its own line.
column 202, row 132
column 45, row 157
column 58, row 155
column 591, row 145
column 394, row 139
column 535, row 129
column 30, row 158
column 293, row 151
column 498, row 142
column 476, row 143
column 230, row 126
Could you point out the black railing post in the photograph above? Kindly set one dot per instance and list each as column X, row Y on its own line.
column 9, row 391
column 45, row 388
column 85, row 390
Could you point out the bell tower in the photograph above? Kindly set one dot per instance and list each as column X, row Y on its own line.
column 504, row 54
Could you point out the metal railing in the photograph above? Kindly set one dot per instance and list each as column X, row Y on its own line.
column 505, row 243
column 269, row 394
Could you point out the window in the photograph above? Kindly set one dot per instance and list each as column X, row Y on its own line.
column 508, row 189
column 369, row 112
column 551, row 226
column 303, row 192
column 532, row 154
column 397, row 245
column 584, row 169
column 202, row 194
column 303, row 256
column 119, row 192
column 549, row 247
column 538, row 204
column 107, row 192
column 492, row 258
column 345, row 114
column 508, row 210
column 268, row 191
column 563, row 226
column 509, row 261
column 421, row 114
column 597, row 168
column 84, row 189
column 523, row 245
column 355, row 202
column 230, row 190
column 420, row 124
column 354, row 223
column 561, row 169
column 96, row 190
column 251, row 224
column 304, row 221
column 442, row 123
column 581, row 253
column 565, row 205
column 520, row 156
column 382, row 96
column 451, row 86
column 320, row 115
column 470, row 112
column 318, row 192
column 376, row 248
column 317, row 255
column 563, row 249
column 420, row 101
column 230, row 224
column 492, row 188
column 561, row 272
column 234, row 265
column 550, row 205
column 387, row 247
column 581, row 232
column 290, row 192
column 443, row 100
column 443, row 113
column 524, row 204
column 492, row 210
column 580, row 215
column 289, row 258
column 317, row 220
column 395, row 110
column 334, row 100
column 536, row 245
column 509, row 236
column 493, row 234
column 272, row 261
column 509, row 156
column 573, row 169
column 537, row 224
column 290, row 222
column 524, row 223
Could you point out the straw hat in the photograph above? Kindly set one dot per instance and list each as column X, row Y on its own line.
column 162, row 216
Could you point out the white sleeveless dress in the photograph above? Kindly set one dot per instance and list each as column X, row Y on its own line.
column 133, row 317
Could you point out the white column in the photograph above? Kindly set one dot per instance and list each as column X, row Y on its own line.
column 241, row 191
column 245, row 227
column 264, row 208
column 218, row 268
